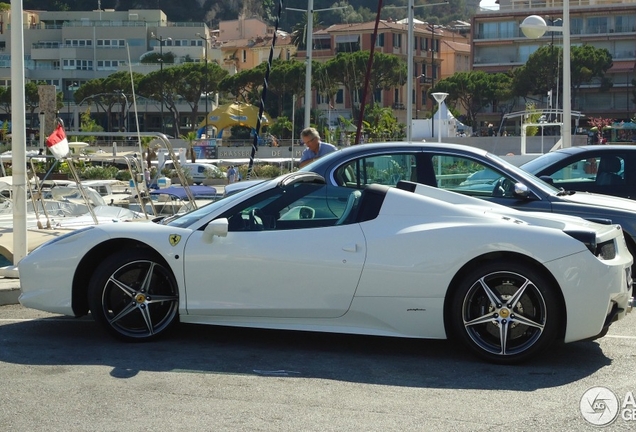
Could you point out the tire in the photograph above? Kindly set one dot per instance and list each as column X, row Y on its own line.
column 482, row 312
column 133, row 295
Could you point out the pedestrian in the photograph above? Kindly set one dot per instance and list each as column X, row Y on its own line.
column 231, row 174
column 315, row 147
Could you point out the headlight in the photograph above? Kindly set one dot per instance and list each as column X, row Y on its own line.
column 588, row 238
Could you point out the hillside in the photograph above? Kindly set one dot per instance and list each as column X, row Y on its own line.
column 213, row 11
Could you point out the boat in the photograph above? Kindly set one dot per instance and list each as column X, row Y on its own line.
column 175, row 199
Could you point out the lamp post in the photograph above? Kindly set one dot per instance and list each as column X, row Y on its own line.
column 409, row 58
column 206, row 39
column 72, row 86
column 628, row 90
column 126, row 112
column 161, row 39
column 439, row 97
column 310, row 30
column 534, row 27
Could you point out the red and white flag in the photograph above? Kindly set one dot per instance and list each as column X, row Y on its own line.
column 57, row 142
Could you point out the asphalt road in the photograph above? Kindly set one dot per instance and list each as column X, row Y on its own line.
column 65, row 374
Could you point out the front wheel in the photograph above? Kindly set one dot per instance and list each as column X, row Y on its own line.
column 505, row 312
column 134, row 295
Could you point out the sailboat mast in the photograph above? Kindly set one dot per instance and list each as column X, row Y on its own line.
column 367, row 75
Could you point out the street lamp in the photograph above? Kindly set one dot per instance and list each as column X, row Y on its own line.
column 206, row 39
column 161, row 39
column 71, row 87
column 126, row 112
column 534, row 27
column 439, row 97
column 309, row 42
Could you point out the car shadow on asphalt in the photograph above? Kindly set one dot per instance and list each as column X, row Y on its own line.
column 274, row 353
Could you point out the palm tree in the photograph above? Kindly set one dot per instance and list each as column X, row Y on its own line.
column 299, row 31
column 190, row 137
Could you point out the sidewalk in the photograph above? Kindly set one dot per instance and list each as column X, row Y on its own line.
column 9, row 291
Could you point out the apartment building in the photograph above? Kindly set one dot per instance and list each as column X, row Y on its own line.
column 246, row 42
column 66, row 49
column 438, row 52
column 498, row 45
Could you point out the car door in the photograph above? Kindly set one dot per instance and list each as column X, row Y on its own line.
column 293, row 262
column 600, row 171
column 471, row 176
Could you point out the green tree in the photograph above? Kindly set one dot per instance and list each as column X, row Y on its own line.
column 110, row 92
column 281, row 128
column 349, row 69
column 5, row 99
column 88, row 124
column 299, row 30
column 587, row 63
column 191, row 80
column 380, row 124
column 474, row 91
column 190, row 138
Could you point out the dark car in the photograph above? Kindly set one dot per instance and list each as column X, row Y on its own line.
column 469, row 170
column 606, row 169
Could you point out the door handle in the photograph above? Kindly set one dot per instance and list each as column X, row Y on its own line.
column 350, row 248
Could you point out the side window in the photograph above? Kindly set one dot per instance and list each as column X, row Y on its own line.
column 298, row 206
column 611, row 171
column 387, row 169
column 581, row 171
column 471, row 177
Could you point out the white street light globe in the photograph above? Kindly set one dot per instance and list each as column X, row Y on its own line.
column 533, row 27
column 439, row 97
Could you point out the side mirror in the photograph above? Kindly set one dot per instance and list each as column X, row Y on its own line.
column 521, row 190
column 547, row 179
column 217, row 227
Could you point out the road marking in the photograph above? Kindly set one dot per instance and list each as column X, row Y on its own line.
column 620, row 337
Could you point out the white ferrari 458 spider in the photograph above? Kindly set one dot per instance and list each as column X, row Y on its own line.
column 295, row 253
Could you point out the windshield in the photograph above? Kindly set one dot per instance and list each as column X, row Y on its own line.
column 538, row 164
column 524, row 175
column 186, row 219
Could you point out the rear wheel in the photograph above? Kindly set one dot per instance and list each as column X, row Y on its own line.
column 505, row 312
column 134, row 295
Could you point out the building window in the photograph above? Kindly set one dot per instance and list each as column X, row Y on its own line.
column 78, row 42
column 73, row 64
column 397, row 40
column 625, row 24
column 379, row 42
column 111, row 43
column 377, row 96
column 340, row 96
column 109, row 64
column 347, row 43
column 244, row 56
column 597, row 25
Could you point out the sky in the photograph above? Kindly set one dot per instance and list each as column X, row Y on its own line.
column 490, row 4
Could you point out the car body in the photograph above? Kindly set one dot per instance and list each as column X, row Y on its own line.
column 604, row 169
column 452, row 166
column 296, row 253
column 199, row 171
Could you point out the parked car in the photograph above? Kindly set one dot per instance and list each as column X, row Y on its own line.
column 296, row 253
column 606, row 169
column 199, row 171
column 453, row 167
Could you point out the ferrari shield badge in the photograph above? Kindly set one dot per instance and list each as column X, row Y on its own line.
column 174, row 239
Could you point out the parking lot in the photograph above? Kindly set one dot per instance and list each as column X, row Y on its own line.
column 65, row 374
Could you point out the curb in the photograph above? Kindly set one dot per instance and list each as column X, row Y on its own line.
column 9, row 288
